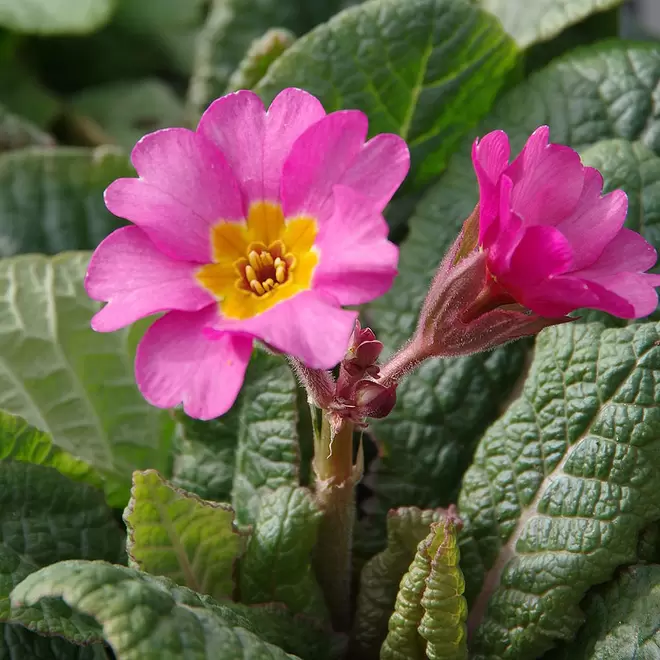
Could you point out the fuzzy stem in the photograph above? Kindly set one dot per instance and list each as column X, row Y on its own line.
column 335, row 495
column 405, row 360
column 319, row 384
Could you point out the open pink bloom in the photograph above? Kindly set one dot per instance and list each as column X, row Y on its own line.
column 554, row 242
column 258, row 225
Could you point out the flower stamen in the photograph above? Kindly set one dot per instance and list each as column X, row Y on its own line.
column 265, row 268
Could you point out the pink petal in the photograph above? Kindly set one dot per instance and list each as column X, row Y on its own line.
column 257, row 143
column 137, row 280
column 319, row 159
column 177, row 362
column 531, row 154
column 379, row 169
column 626, row 252
column 559, row 296
column 542, row 252
column 310, row 326
column 595, row 221
column 357, row 261
column 490, row 157
column 508, row 233
column 548, row 191
column 185, row 186
column 627, row 295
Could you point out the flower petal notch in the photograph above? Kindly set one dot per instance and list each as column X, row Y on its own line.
column 258, row 225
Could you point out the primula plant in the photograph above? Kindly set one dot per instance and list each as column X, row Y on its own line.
column 330, row 330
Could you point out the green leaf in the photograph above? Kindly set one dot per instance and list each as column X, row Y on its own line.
column 267, row 454
column 51, row 200
column 648, row 545
column 622, row 619
column 17, row 643
column 44, row 518
column 21, row 442
column 277, row 565
column 262, row 53
column 128, row 110
column 59, row 17
column 180, row 536
column 429, row 614
column 381, row 575
column 205, row 454
column 75, row 384
column 425, row 69
column 16, row 132
column 173, row 622
column 532, row 22
column 561, row 486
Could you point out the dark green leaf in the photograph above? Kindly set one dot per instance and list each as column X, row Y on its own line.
column 177, row 535
column 622, row 619
column 17, row 643
column 425, row 69
column 561, row 486
column 277, row 565
column 52, row 199
column 59, row 17
column 267, row 454
column 44, row 518
column 16, row 132
column 174, row 622
column 541, row 20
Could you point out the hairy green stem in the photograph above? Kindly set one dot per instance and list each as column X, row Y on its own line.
column 336, row 479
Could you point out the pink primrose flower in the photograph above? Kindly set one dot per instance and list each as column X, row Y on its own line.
column 554, row 242
column 260, row 224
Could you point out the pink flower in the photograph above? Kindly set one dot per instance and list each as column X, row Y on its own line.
column 554, row 242
column 258, row 225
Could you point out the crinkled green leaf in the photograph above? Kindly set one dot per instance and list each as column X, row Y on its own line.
column 16, row 132
column 69, row 381
column 232, row 26
column 51, row 200
column 648, row 545
column 19, row 441
column 18, row 643
column 531, row 22
column 425, row 69
column 44, row 518
column 128, row 110
column 262, row 53
column 561, row 486
column 55, row 16
column 178, row 535
column 430, row 611
column 381, row 575
column 277, row 565
column 267, row 454
column 622, row 620
column 205, row 454
column 149, row 618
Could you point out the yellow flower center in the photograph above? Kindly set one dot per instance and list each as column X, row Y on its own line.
column 261, row 262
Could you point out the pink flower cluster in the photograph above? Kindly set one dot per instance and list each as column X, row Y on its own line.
column 261, row 224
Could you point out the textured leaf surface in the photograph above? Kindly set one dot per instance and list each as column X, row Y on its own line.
column 65, row 379
column 622, row 619
column 531, row 22
column 52, row 200
column 175, row 534
column 561, row 486
column 21, row 442
column 17, row 643
column 430, row 611
column 173, row 622
column 16, row 132
column 267, row 453
column 128, row 110
column 205, row 458
column 44, row 518
column 381, row 575
column 277, row 565
column 232, row 26
column 425, row 69
column 262, row 53
column 55, row 17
